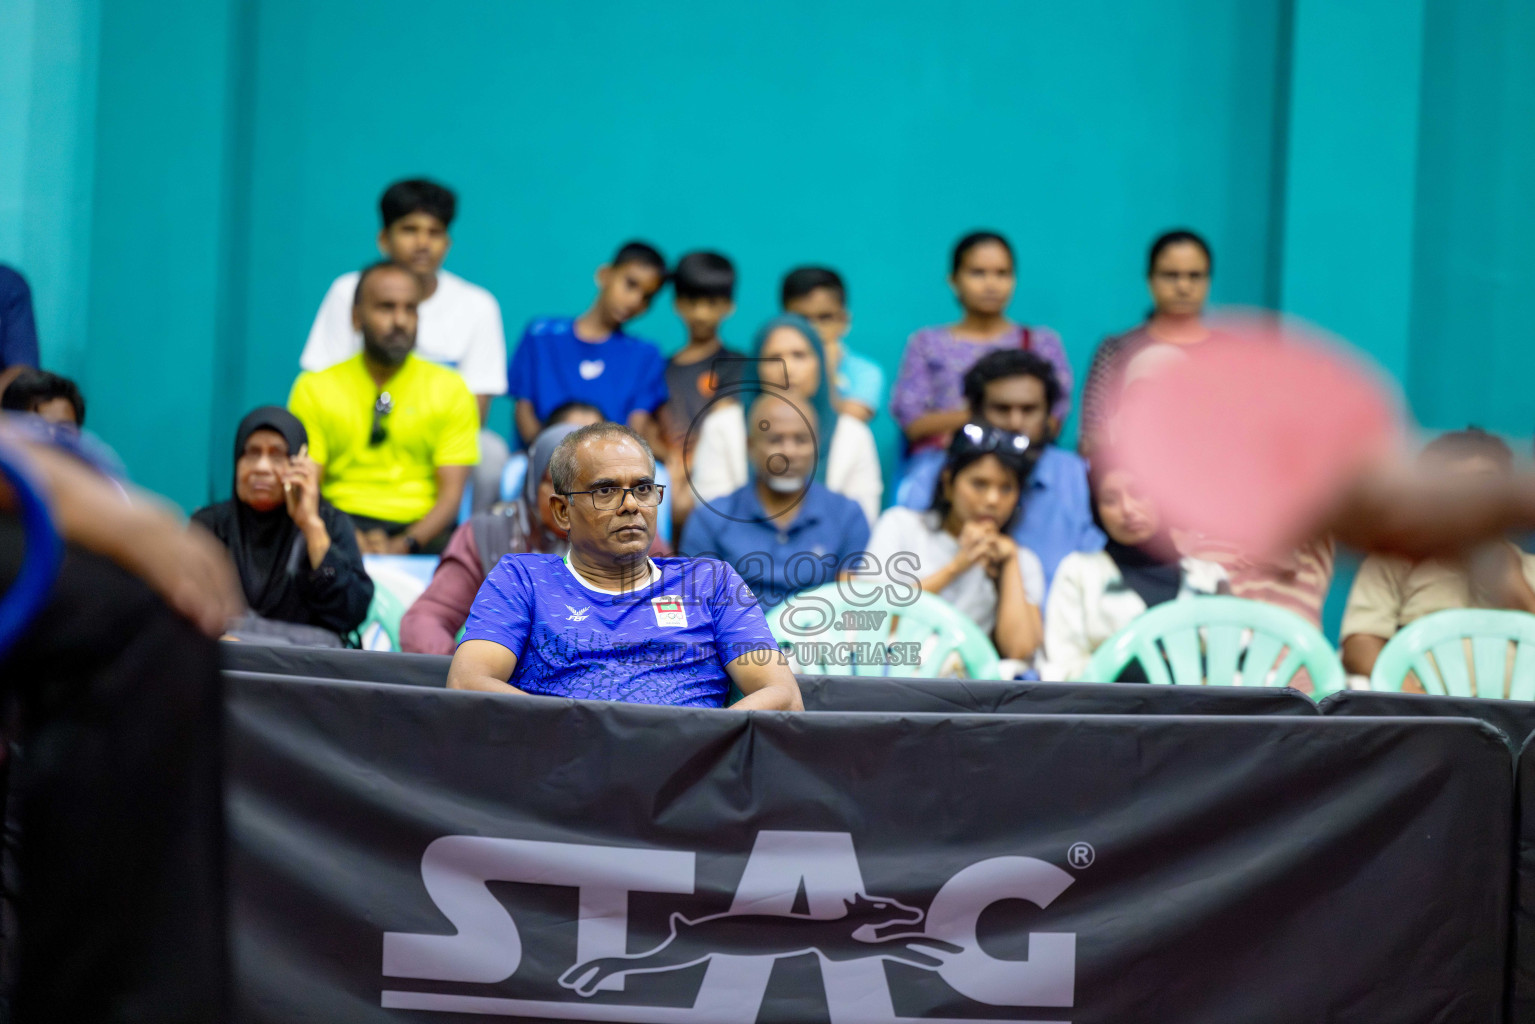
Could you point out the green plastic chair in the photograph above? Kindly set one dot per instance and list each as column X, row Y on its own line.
column 1213, row 639
column 949, row 643
column 380, row 631
column 1436, row 649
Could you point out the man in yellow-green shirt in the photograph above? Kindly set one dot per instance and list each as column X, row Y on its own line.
column 395, row 436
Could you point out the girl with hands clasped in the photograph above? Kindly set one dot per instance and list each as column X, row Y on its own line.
column 960, row 549
column 300, row 567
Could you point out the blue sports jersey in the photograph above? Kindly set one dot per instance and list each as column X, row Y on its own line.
column 667, row 643
column 619, row 376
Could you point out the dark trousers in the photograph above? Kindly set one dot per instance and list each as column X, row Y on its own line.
column 117, row 798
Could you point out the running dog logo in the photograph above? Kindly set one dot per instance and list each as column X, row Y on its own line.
column 853, row 936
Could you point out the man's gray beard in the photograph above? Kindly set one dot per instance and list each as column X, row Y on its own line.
column 785, row 484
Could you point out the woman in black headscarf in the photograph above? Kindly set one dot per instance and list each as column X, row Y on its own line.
column 297, row 554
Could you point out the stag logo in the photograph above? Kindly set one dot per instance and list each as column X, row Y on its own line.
column 853, row 936
column 798, row 893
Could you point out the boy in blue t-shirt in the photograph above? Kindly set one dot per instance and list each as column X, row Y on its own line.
column 590, row 358
column 819, row 295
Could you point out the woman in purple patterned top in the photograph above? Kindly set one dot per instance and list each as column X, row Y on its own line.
column 928, row 401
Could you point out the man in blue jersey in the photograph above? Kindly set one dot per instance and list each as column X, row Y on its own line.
column 607, row 622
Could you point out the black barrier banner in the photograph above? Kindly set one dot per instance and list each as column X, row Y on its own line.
column 323, row 663
column 405, row 854
column 957, row 696
column 1522, row 975
column 835, row 693
column 1515, row 719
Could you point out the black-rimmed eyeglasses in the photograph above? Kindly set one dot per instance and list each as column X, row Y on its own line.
column 606, row 499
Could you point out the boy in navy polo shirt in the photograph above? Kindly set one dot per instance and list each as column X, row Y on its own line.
column 590, row 358
column 783, row 532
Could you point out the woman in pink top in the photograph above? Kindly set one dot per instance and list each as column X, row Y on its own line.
column 928, row 399
column 1178, row 273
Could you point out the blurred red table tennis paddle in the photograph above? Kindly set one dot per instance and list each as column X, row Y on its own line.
column 1254, row 434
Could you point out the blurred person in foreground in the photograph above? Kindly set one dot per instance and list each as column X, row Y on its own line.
column 783, row 531
column 118, row 787
column 607, row 622
column 1391, row 591
column 1220, row 444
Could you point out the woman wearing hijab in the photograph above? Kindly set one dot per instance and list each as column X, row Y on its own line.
column 1097, row 593
column 296, row 553
column 431, row 625
column 790, row 357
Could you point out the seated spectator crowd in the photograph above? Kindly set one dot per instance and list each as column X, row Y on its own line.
column 634, row 532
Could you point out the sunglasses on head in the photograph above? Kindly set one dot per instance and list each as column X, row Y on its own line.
column 982, row 437
column 381, row 408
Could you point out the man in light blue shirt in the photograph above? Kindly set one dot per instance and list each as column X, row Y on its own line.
column 1015, row 390
column 784, row 532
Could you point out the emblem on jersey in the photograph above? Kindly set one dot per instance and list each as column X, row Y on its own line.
column 578, row 614
column 670, row 611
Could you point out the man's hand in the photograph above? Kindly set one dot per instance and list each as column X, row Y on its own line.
column 373, row 542
column 399, row 544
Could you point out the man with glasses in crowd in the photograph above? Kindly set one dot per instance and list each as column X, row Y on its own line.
column 608, row 622
column 395, row 436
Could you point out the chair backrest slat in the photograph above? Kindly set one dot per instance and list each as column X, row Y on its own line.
column 1521, row 684
column 1182, row 648
column 1152, row 663
column 1262, row 650
column 1489, row 659
column 1450, row 656
column 1428, row 673
column 1223, row 649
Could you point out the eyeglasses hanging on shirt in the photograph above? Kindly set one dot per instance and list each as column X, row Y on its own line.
column 381, row 408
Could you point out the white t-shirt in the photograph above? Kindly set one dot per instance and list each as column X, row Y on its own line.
column 972, row 593
column 459, row 327
column 852, row 462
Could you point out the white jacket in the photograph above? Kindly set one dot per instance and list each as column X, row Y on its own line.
column 852, row 465
column 1089, row 603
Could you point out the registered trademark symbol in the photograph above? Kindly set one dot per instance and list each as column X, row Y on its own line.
column 1081, row 855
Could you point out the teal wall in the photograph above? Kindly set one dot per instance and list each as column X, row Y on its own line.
column 181, row 179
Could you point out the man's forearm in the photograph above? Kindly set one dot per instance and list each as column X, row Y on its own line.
column 774, row 697
column 527, row 420
column 479, row 681
column 442, row 514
